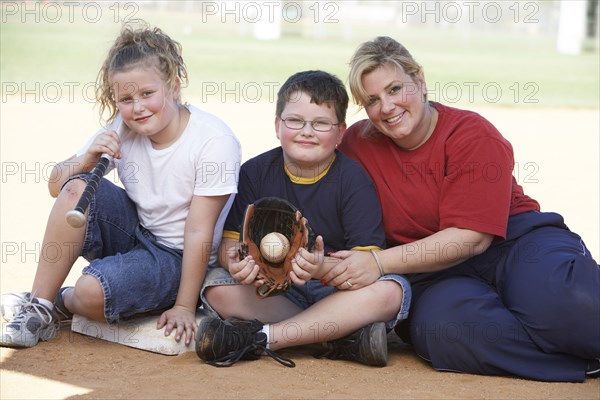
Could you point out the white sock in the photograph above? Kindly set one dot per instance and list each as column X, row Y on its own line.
column 266, row 329
column 47, row 303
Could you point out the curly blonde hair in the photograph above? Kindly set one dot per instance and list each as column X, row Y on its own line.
column 139, row 45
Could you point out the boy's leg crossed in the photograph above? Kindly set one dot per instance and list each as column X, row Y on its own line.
column 338, row 315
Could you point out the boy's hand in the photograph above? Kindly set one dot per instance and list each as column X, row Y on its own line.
column 243, row 271
column 180, row 318
column 274, row 215
column 307, row 264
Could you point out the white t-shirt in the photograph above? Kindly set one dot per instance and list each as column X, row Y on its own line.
column 204, row 161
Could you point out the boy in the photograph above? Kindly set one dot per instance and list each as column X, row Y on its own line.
column 339, row 201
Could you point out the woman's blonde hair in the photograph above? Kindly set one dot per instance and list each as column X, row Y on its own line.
column 136, row 45
column 373, row 54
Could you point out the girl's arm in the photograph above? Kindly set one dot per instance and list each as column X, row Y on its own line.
column 107, row 142
column 198, row 237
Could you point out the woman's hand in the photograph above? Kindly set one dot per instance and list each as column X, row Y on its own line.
column 358, row 269
column 355, row 270
column 180, row 318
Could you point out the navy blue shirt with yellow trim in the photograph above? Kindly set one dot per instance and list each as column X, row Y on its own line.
column 340, row 203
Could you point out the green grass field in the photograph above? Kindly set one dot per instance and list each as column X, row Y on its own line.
column 479, row 68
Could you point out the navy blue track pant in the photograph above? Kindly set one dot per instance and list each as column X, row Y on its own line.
column 529, row 306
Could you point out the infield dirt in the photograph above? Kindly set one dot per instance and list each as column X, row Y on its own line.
column 557, row 153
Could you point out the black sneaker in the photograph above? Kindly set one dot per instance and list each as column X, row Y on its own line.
column 367, row 345
column 248, row 325
column 62, row 312
column 223, row 343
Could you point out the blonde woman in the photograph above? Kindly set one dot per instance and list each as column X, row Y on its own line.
column 499, row 288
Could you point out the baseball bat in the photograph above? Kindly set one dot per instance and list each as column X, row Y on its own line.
column 76, row 217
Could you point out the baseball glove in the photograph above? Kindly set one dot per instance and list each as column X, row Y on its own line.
column 272, row 214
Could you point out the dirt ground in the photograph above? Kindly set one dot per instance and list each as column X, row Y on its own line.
column 75, row 366
column 557, row 153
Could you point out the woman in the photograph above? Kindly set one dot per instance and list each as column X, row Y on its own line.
column 499, row 288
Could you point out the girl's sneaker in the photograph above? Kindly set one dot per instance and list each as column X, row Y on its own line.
column 10, row 304
column 33, row 322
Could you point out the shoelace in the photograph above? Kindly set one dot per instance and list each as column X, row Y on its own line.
column 279, row 358
column 28, row 305
column 255, row 349
column 232, row 358
column 24, row 296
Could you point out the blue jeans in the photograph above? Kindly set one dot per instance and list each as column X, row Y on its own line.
column 308, row 294
column 137, row 274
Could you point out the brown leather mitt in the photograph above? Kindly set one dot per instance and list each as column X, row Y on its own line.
column 266, row 216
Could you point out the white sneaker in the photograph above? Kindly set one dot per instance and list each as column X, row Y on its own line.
column 32, row 323
column 10, row 304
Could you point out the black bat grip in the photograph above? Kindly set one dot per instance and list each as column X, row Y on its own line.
column 76, row 217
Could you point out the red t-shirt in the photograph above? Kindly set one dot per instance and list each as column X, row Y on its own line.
column 461, row 177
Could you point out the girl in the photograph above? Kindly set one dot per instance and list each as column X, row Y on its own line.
column 179, row 169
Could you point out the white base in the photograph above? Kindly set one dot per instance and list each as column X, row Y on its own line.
column 140, row 333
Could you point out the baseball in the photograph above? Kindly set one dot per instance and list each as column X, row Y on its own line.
column 274, row 247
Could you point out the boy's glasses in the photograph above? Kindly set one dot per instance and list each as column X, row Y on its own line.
column 297, row 124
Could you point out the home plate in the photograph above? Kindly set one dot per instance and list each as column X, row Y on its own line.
column 140, row 333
